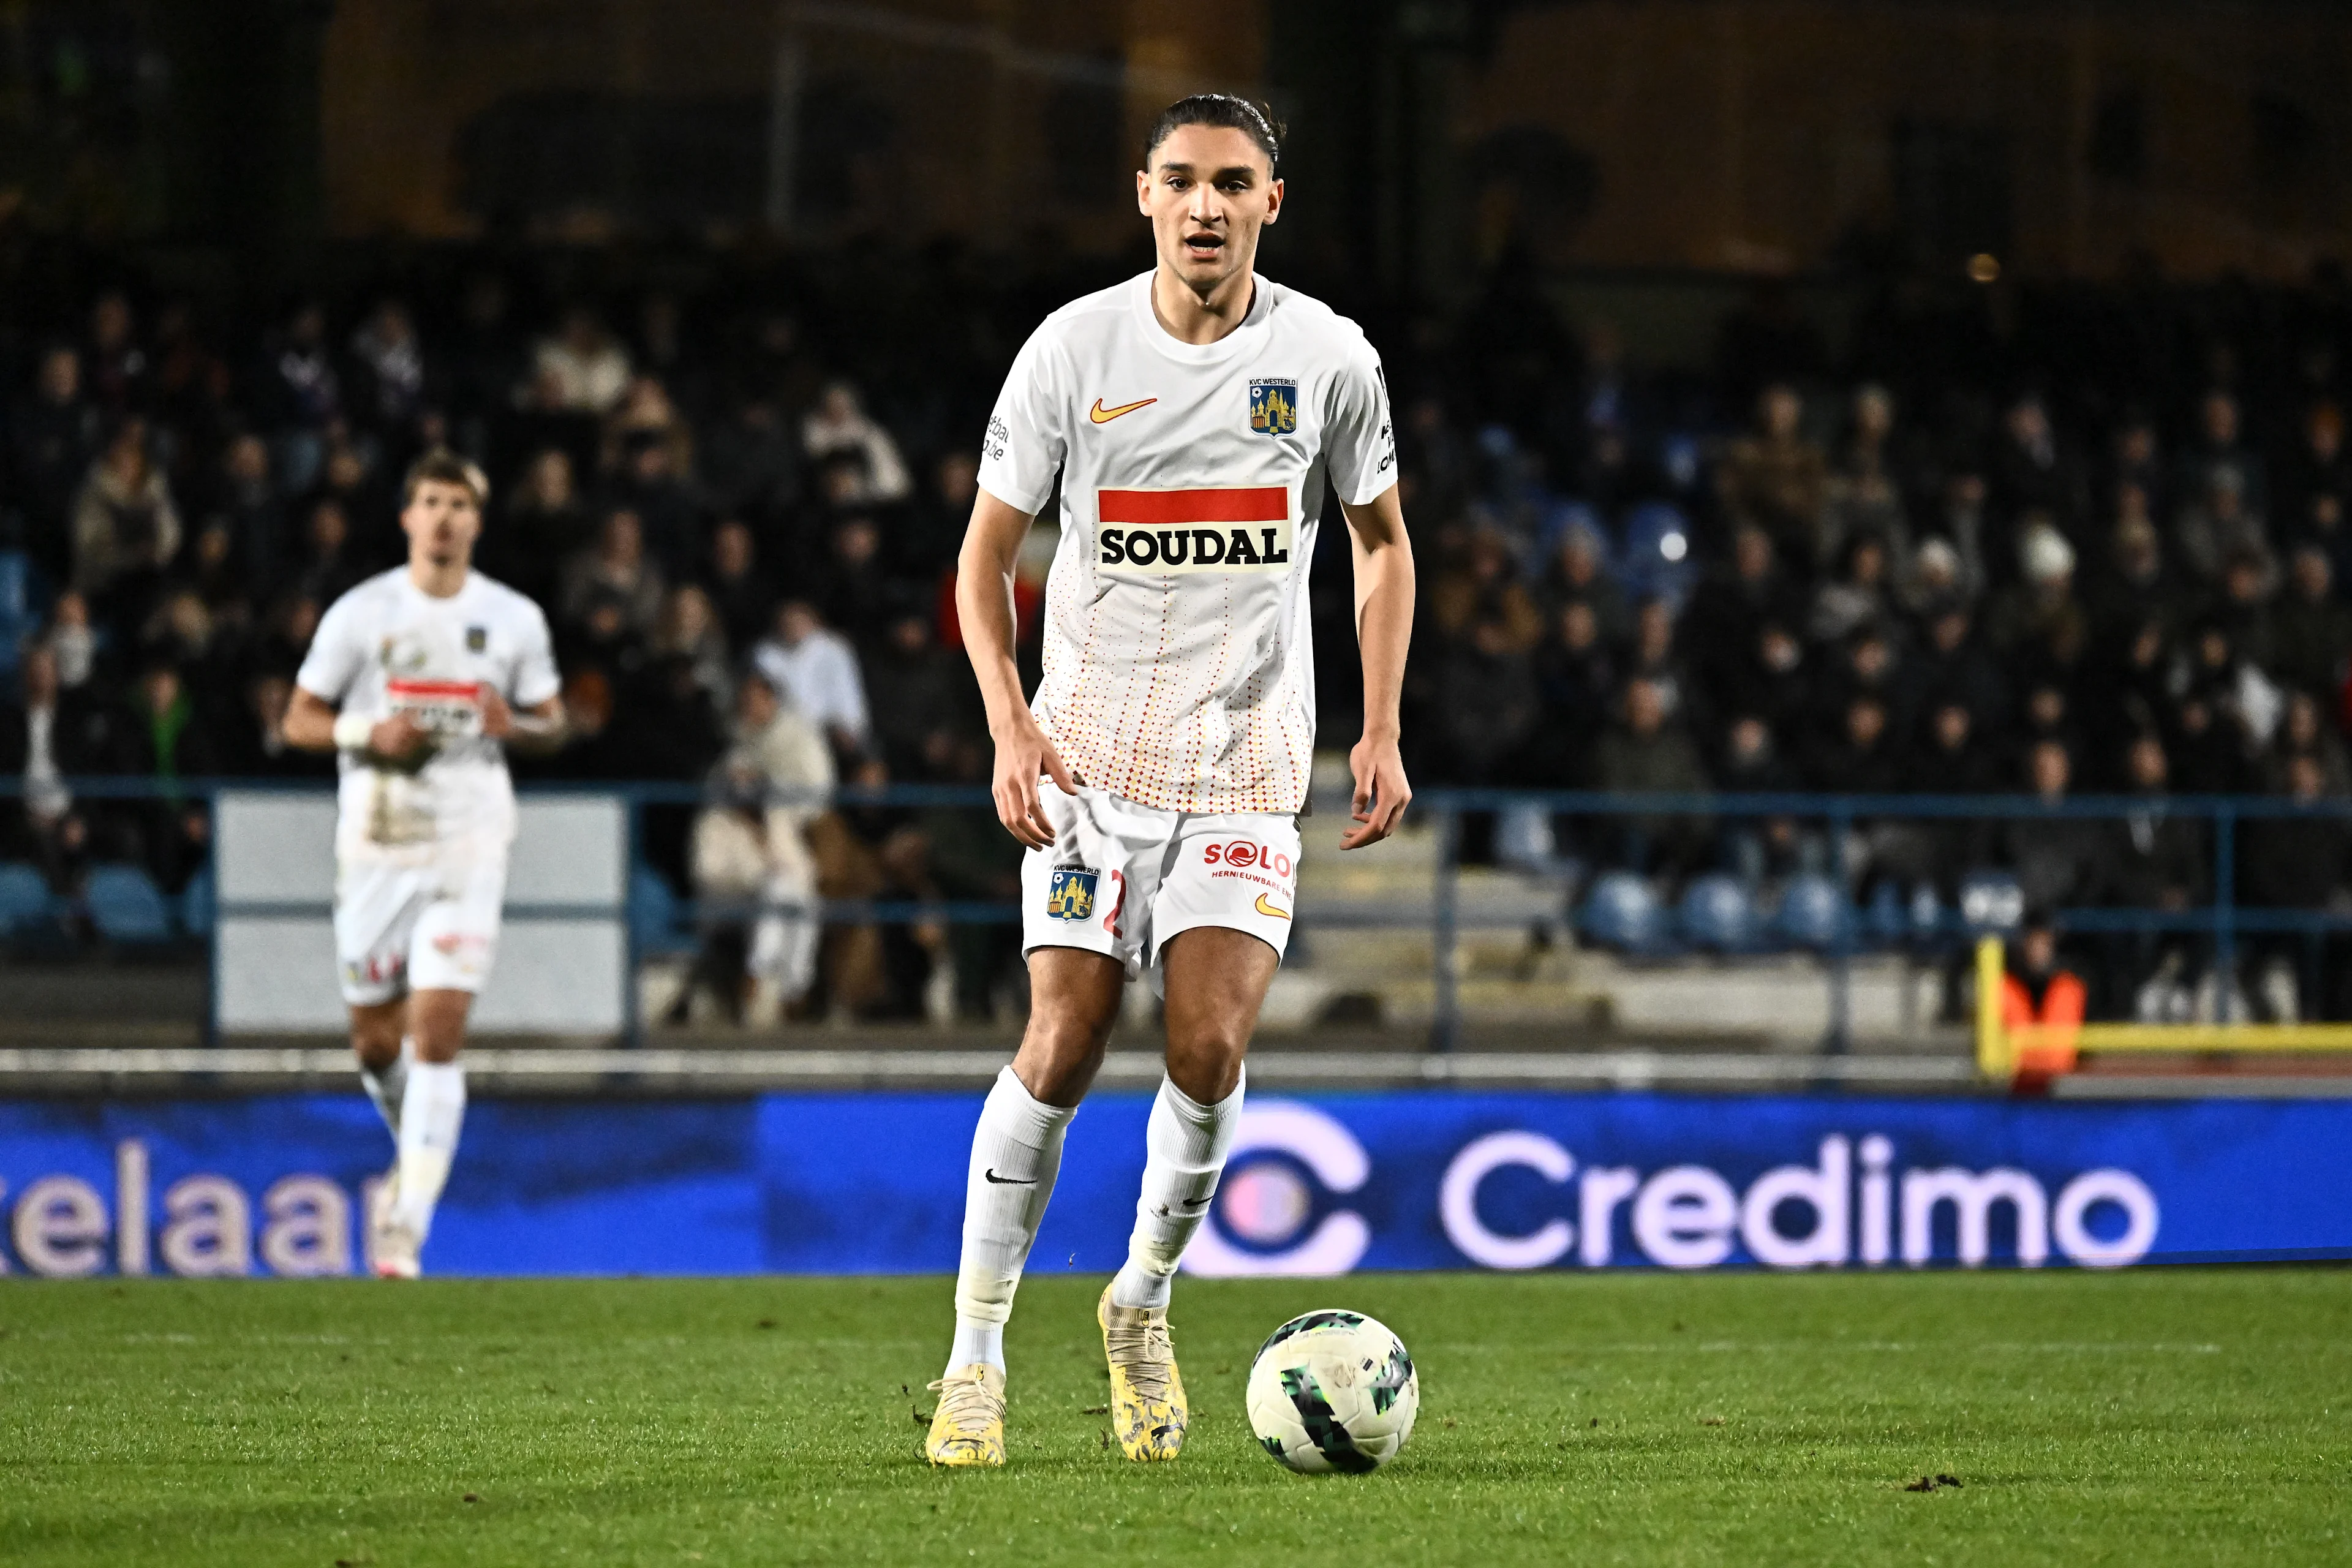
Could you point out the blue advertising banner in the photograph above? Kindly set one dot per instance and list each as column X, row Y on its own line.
column 1317, row 1185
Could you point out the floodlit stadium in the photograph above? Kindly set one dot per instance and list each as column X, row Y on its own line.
column 1521, row 780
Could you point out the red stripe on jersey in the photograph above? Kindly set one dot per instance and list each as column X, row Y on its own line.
column 434, row 687
column 1263, row 503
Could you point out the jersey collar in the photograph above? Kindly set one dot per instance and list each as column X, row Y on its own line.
column 1246, row 337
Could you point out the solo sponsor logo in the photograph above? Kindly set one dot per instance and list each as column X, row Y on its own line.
column 1242, row 855
column 59, row 1226
column 1849, row 1206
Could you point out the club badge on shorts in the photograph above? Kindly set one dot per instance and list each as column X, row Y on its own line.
column 1071, row 894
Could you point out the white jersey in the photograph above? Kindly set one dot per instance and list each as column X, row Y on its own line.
column 1179, row 661
column 388, row 646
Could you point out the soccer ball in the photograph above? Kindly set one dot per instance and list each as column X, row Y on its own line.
column 1333, row 1390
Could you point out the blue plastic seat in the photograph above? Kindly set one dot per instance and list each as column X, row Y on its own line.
column 20, row 606
column 1718, row 914
column 1812, row 911
column 126, row 906
column 1885, row 921
column 24, row 901
column 197, row 904
column 1658, row 560
column 1991, row 902
column 1620, row 911
column 653, row 915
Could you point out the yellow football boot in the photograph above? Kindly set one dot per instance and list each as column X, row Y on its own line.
column 1147, row 1393
column 968, row 1427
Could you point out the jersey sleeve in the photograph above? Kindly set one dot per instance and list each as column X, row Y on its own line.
column 1026, row 433
column 337, row 651
column 1360, row 439
column 535, row 677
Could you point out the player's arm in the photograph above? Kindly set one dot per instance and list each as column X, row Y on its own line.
column 1384, row 589
column 535, row 731
column 310, row 725
column 992, row 546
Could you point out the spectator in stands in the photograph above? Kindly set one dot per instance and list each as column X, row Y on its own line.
column 257, row 747
column 388, row 388
column 1578, row 573
column 1577, row 682
column 651, row 487
column 839, row 426
column 583, row 369
column 2156, row 859
column 752, row 852
column 42, row 739
column 330, row 565
column 54, row 437
column 126, row 528
column 1645, row 754
column 158, row 737
column 118, row 365
column 935, row 530
column 1728, row 611
column 922, row 698
column 2038, row 623
column 812, row 668
column 1776, row 478
column 613, row 594
column 2310, row 627
column 1486, row 700
column 2296, row 863
column 1857, row 597
column 741, row 593
column 2219, row 459
column 853, row 588
column 2215, row 523
column 1485, row 587
column 2059, row 861
column 301, row 394
column 1864, row 493
column 2033, row 473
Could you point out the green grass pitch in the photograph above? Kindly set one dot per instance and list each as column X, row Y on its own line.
column 2146, row 1418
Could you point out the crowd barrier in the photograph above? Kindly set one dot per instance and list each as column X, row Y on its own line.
column 1815, row 911
column 1315, row 1187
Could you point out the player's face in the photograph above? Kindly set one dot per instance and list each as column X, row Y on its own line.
column 442, row 522
column 1208, row 193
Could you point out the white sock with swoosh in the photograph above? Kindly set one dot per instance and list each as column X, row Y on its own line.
column 1016, row 1151
column 1185, row 1144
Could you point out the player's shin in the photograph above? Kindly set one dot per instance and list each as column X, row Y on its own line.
column 1185, row 1145
column 432, row 1112
column 1016, row 1151
column 386, row 1085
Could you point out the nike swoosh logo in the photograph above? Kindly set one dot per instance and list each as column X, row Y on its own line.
column 1265, row 909
column 1102, row 416
column 1007, row 1181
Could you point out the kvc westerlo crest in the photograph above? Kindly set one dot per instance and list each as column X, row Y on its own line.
column 1274, row 406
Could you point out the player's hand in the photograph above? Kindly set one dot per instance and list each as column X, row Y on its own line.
column 1024, row 755
column 1381, row 794
column 498, row 718
column 400, row 740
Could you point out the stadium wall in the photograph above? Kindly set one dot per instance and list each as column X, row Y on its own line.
column 874, row 1184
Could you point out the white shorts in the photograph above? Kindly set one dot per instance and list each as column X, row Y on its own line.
column 1122, row 879
column 426, row 925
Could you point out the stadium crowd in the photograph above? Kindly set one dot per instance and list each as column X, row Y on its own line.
column 2078, row 539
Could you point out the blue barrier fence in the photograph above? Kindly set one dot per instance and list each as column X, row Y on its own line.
column 1829, row 922
column 1314, row 1186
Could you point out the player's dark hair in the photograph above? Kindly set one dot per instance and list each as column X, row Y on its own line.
column 443, row 467
column 1227, row 112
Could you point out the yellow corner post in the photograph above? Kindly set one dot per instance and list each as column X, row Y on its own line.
column 1996, row 1053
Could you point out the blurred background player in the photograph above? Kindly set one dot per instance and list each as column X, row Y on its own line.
column 1195, row 416
column 418, row 678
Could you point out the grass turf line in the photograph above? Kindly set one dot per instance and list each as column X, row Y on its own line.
column 2142, row 1418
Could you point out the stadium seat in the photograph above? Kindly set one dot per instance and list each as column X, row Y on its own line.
column 1620, row 911
column 1812, row 911
column 1991, row 902
column 197, row 904
column 653, row 915
column 126, row 907
column 1716, row 914
column 24, row 901
column 1886, row 920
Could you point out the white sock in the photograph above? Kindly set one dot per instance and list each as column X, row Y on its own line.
column 1185, row 1144
column 431, row 1113
column 1016, row 1151
column 385, row 1085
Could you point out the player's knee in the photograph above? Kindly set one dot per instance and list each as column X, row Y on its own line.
column 1206, row 1061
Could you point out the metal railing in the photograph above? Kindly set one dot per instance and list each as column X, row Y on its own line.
column 2223, row 919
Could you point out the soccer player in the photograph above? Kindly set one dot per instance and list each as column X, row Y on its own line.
column 435, row 669
column 1195, row 416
